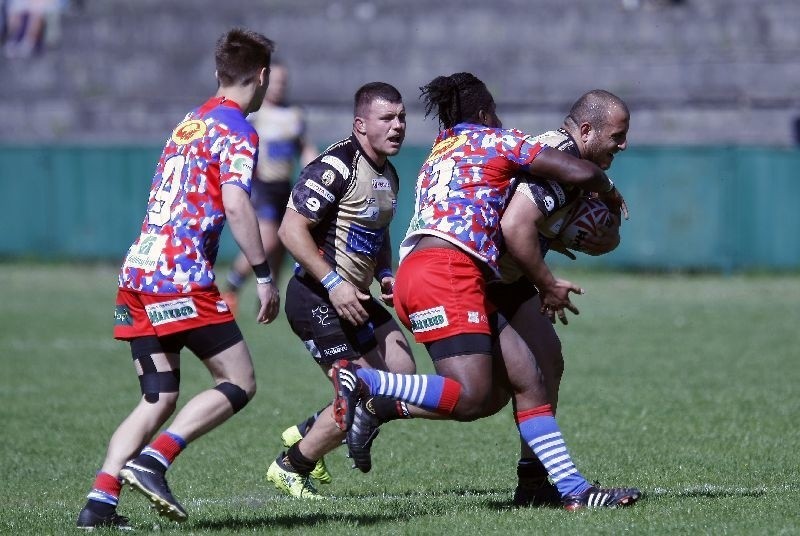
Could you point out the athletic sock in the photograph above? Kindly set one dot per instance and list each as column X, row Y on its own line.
column 105, row 492
column 540, row 431
column 531, row 472
column 297, row 462
column 165, row 448
column 306, row 425
column 431, row 392
column 386, row 409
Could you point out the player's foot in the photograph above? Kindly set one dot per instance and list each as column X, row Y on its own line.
column 595, row 497
column 363, row 431
column 232, row 299
column 89, row 520
column 143, row 476
column 292, row 435
column 290, row 482
column 536, row 492
column 349, row 390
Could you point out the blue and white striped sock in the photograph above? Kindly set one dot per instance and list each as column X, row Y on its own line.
column 543, row 435
column 427, row 391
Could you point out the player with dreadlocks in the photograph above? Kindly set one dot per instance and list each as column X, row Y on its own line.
column 452, row 246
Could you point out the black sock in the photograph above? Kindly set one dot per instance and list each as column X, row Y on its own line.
column 300, row 464
column 386, row 409
column 306, row 425
column 531, row 470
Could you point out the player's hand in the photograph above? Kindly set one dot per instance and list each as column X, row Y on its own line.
column 615, row 202
column 387, row 291
column 346, row 299
column 606, row 240
column 555, row 299
column 559, row 247
column 270, row 299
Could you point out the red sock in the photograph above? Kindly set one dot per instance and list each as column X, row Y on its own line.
column 451, row 391
column 107, row 484
column 545, row 410
column 167, row 446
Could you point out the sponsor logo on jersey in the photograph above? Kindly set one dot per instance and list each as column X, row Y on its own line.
column 122, row 316
column 188, row 131
column 473, row 317
column 313, row 186
column 338, row 165
column 549, row 203
column 381, row 183
column 428, row 320
column 171, row 311
column 328, row 176
column 242, row 164
column 446, row 146
column 145, row 254
column 335, row 350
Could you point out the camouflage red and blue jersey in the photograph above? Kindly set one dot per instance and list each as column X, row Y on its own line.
column 464, row 187
column 177, row 247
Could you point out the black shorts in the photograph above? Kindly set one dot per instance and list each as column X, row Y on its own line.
column 326, row 336
column 204, row 342
column 508, row 297
column 270, row 199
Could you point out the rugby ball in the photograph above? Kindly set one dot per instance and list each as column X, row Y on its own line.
column 586, row 218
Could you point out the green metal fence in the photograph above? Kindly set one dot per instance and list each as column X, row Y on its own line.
column 692, row 208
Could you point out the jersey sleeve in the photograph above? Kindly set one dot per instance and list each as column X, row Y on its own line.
column 238, row 160
column 548, row 196
column 317, row 191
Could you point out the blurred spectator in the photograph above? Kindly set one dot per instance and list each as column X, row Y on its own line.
column 26, row 26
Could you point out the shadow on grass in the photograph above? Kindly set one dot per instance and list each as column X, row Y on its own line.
column 431, row 504
column 289, row 521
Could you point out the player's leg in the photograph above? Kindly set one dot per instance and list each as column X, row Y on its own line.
column 159, row 375
column 223, row 351
column 538, row 428
column 533, row 487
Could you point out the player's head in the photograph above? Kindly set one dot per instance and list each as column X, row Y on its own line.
column 242, row 58
column 278, row 80
column 460, row 98
column 599, row 122
column 379, row 121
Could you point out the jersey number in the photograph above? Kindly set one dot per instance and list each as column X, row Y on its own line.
column 442, row 173
column 161, row 210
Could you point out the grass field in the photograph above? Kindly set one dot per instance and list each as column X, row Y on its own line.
column 683, row 386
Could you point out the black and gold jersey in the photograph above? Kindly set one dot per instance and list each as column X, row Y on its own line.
column 352, row 201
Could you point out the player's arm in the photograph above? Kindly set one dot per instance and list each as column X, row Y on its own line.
column 310, row 201
column 519, row 225
column 562, row 167
column 243, row 224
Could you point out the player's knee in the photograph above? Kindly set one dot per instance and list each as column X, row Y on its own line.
column 237, row 397
column 160, row 387
column 471, row 406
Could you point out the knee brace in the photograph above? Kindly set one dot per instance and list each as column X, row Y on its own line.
column 152, row 382
column 235, row 395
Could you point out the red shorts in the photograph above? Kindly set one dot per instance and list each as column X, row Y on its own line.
column 439, row 293
column 140, row 315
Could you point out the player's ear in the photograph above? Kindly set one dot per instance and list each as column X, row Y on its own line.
column 585, row 129
column 359, row 125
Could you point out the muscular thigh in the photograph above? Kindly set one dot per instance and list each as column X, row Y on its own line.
column 326, row 336
column 393, row 352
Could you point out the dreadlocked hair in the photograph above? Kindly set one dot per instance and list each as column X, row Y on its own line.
column 456, row 98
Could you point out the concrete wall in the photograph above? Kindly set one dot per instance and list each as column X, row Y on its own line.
column 695, row 72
